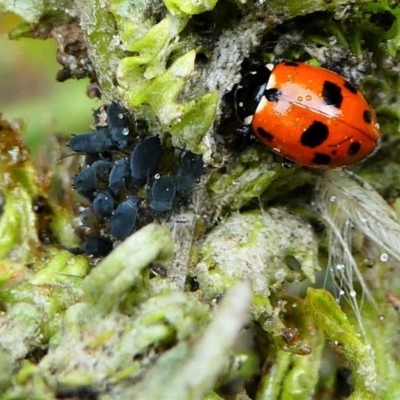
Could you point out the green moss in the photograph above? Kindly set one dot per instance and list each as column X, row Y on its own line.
column 106, row 284
column 245, row 181
column 114, row 328
column 187, row 122
column 6, row 369
column 35, row 277
column 189, row 7
column 253, row 246
column 333, row 321
column 145, row 78
column 129, row 341
column 190, row 371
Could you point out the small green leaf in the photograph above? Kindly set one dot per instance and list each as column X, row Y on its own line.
column 189, row 7
column 197, row 118
column 327, row 314
column 116, row 274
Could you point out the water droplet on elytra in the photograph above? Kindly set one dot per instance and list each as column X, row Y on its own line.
column 384, row 257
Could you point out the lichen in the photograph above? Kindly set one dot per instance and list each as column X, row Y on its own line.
column 254, row 245
column 112, row 348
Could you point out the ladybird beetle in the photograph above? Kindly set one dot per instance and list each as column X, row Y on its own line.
column 307, row 114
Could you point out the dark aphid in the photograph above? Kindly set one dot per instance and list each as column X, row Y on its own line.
column 118, row 124
column 76, row 250
column 102, row 170
column 97, row 246
column 80, row 143
column 162, row 194
column 85, row 180
column 85, row 183
column 91, row 158
column 123, row 221
column 77, row 393
column 102, row 140
column 89, row 218
column 103, row 204
column 144, row 160
column 90, row 178
column 118, row 174
column 189, row 171
column 91, row 142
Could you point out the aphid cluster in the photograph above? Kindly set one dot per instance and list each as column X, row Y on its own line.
column 120, row 178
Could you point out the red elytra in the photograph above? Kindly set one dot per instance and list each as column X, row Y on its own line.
column 313, row 116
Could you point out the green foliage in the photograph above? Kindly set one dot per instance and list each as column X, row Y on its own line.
column 145, row 79
column 325, row 311
column 120, row 328
column 189, row 7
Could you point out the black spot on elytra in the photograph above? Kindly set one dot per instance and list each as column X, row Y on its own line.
column 291, row 64
column 266, row 135
column 333, row 152
column 354, row 148
column 314, row 135
column 350, row 87
column 332, row 94
column 272, row 95
column 321, row 159
column 367, row 116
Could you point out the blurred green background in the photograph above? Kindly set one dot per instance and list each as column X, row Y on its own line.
column 30, row 94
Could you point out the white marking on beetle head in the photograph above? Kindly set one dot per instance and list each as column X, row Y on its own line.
column 261, row 105
column 271, row 82
column 248, row 120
